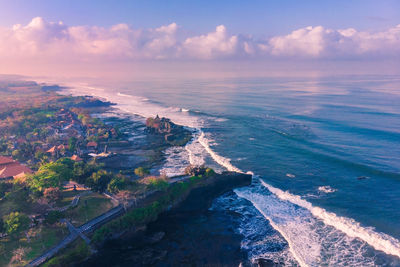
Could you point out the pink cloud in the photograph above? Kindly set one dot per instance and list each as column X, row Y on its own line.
column 54, row 41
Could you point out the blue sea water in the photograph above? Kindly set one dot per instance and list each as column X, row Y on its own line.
column 324, row 151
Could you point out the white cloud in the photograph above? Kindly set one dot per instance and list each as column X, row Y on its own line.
column 213, row 45
column 318, row 42
column 53, row 41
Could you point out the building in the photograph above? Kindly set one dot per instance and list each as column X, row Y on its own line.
column 76, row 158
column 92, row 147
column 10, row 169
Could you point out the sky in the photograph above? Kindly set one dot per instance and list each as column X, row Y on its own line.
column 38, row 36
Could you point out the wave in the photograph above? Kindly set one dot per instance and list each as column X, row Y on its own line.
column 121, row 94
column 350, row 227
column 195, row 151
column 310, row 241
column 327, row 189
column 225, row 162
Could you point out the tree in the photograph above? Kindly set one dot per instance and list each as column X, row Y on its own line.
column 53, row 217
column 52, row 193
column 2, row 226
column 209, row 172
column 50, row 175
column 72, row 143
column 99, row 180
column 15, row 222
column 141, row 171
column 117, row 183
column 81, row 171
column 195, row 170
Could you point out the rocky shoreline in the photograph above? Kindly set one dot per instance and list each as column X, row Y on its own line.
column 147, row 150
column 187, row 233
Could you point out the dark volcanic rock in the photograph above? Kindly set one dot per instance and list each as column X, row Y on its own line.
column 170, row 132
column 189, row 234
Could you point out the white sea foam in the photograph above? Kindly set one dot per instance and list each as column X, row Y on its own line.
column 311, row 242
column 176, row 161
column 195, row 151
column 350, row 227
column 327, row 189
column 304, row 243
column 124, row 95
column 137, row 105
column 225, row 162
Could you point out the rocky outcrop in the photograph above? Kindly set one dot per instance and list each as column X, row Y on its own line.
column 186, row 233
column 200, row 197
column 172, row 133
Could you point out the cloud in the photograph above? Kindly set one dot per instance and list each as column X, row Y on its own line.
column 55, row 41
column 318, row 42
column 212, row 45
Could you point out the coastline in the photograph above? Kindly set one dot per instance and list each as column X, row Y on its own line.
column 156, row 146
column 187, row 232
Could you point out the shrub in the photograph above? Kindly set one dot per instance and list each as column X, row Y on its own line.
column 51, row 175
column 140, row 171
column 99, row 180
column 15, row 222
column 52, row 193
column 71, row 258
column 195, row 170
column 117, row 183
column 155, row 183
column 209, row 172
column 53, row 217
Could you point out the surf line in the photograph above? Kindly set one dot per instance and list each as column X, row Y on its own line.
column 227, row 164
column 379, row 241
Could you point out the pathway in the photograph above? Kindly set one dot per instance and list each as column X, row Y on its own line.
column 75, row 232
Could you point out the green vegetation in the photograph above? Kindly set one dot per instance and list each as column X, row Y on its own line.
column 70, row 256
column 141, row 172
column 155, row 183
column 99, row 180
column 209, row 172
column 20, row 249
column 142, row 215
column 51, row 175
column 118, row 183
column 89, row 207
column 15, row 222
column 53, row 217
column 44, row 131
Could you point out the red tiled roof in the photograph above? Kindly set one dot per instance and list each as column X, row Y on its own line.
column 92, row 144
column 61, row 147
column 13, row 169
column 5, row 160
column 76, row 158
column 52, row 150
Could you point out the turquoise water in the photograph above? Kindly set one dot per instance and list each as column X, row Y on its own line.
column 325, row 154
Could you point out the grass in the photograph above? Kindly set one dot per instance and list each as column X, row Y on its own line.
column 15, row 201
column 42, row 238
column 66, row 198
column 74, row 253
column 89, row 207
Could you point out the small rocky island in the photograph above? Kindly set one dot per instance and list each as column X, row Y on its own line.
column 172, row 133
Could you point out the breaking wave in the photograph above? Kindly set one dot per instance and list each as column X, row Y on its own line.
column 350, row 227
column 314, row 236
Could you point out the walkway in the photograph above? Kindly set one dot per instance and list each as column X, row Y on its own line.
column 75, row 232
column 74, row 201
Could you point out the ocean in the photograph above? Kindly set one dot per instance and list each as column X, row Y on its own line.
column 324, row 153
